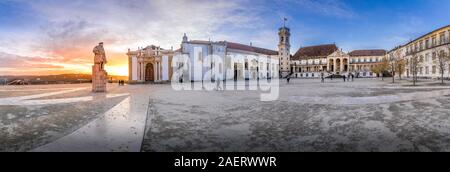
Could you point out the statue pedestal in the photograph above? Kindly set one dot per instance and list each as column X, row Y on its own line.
column 99, row 79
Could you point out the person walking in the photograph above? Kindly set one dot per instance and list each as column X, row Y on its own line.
column 344, row 77
column 322, row 77
column 288, row 78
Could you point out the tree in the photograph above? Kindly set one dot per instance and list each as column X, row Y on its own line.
column 392, row 66
column 384, row 67
column 380, row 68
column 441, row 62
column 414, row 65
column 397, row 64
column 376, row 69
column 400, row 66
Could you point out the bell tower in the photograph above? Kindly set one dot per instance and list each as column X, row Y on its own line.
column 284, row 49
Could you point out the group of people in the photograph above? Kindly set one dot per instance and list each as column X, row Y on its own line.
column 347, row 78
column 121, row 82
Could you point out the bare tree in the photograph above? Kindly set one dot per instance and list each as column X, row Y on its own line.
column 414, row 65
column 393, row 69
column 441, row 62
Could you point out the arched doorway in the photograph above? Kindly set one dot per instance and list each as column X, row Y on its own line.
column 345, row 61
column 338, row 66
column 149, row 72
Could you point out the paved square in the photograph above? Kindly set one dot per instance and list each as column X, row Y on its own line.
column 365, row 115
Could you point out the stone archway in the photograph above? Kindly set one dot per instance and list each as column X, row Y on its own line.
column 345, row 62
column 331, row 65
column 149, row 72
column 338, row 66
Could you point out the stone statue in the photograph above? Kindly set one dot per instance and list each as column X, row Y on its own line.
column 100, row 56
column 99, row 75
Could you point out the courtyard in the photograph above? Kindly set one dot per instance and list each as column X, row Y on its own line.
column 364, row 115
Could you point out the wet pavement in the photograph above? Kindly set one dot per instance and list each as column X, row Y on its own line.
column 365, row 115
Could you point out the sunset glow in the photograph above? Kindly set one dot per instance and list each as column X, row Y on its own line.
column 42, row 37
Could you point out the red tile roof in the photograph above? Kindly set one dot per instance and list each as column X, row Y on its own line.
column 237, row 46
column 318, row 51
column 368, row 53
column 242, row 47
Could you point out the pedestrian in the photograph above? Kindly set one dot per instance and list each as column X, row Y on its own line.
column 344, row 77
column 288, row 78
column 353, row 76
column 322, row 77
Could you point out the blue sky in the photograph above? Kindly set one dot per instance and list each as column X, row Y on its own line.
column 58, row 35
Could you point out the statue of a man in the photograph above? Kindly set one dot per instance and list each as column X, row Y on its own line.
column 100, row 57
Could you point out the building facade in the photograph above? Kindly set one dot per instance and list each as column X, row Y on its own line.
column 362, row 62
column 149, row 64
column 204, row 60
column 427, row 50
column 312, row 61
column 238, row 61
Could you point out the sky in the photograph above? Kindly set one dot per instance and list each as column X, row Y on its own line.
column 42, row 37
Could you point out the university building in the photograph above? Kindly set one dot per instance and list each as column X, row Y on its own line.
column 240, row 61
column 154, row 64
column 312, row 61
column 426, row 49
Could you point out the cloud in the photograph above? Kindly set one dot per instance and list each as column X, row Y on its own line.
column 66, row 31
column 15, row 61
column 335, row 8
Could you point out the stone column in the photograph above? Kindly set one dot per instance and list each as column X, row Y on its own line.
column 138, row 71
column 328, row 65
column 157, row 71
column 334, row 65
column 342, row 66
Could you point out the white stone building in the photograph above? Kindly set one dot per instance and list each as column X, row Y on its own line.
column 233, row 61
column 149, row 64
column 426, row 49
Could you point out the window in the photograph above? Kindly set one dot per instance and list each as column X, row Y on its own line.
column 434, row 69
column 434, row 56
column 421, row 45
column 421, row 58
column 442, row 38
column 433, row 42
column 427, row 43
column 427, row 70
column 427, row 57
column 420, row 70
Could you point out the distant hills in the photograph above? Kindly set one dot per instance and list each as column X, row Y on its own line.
column 55, row 79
